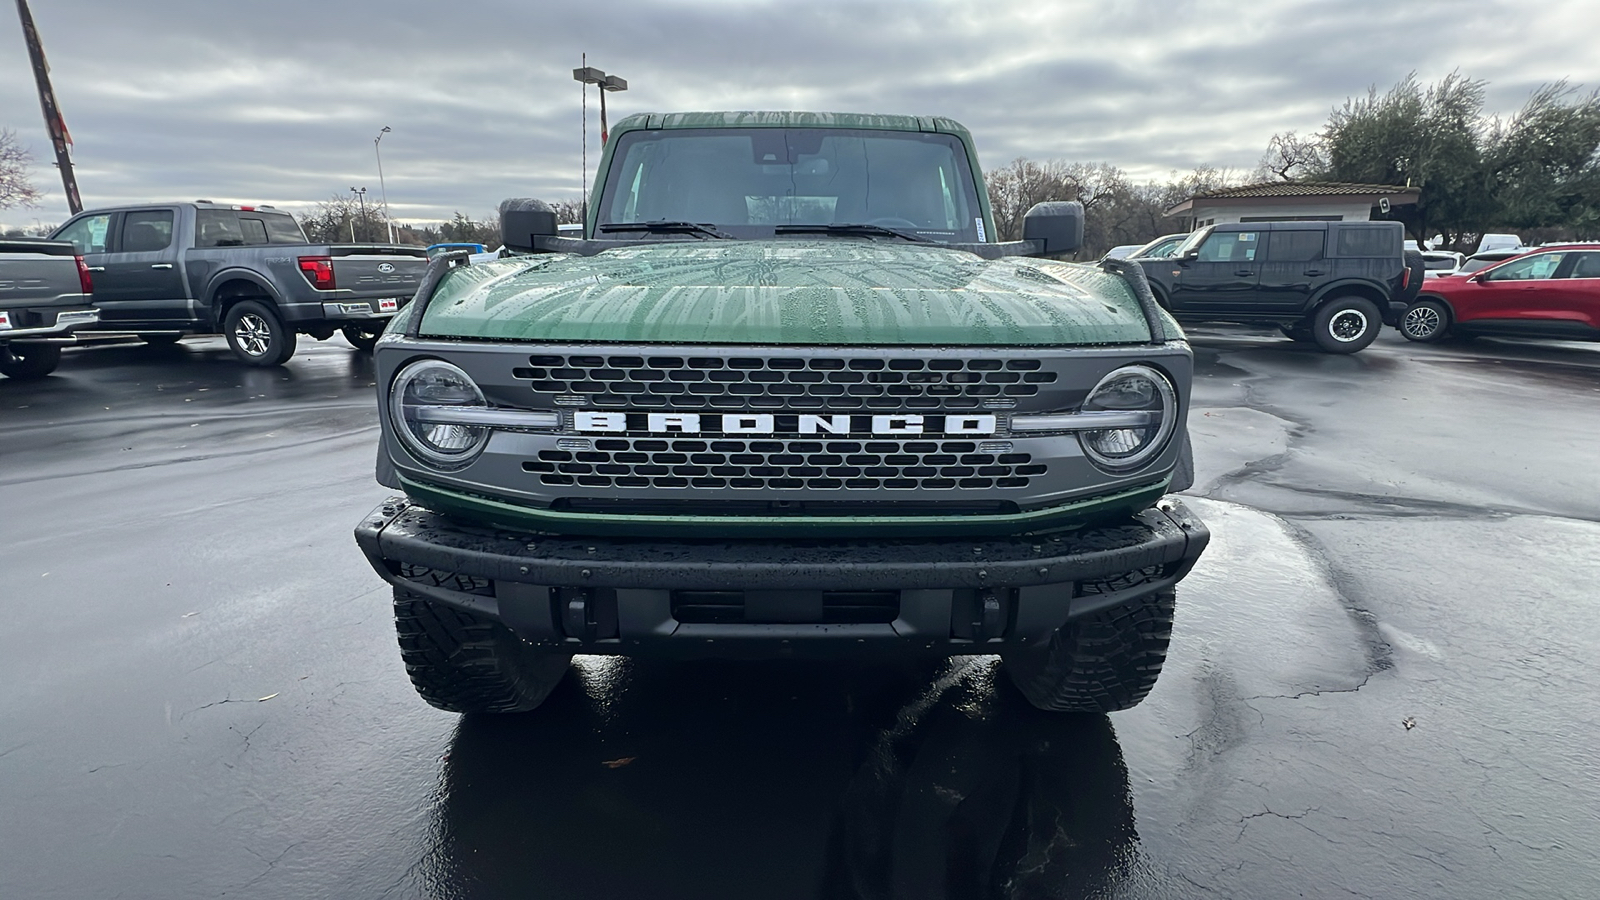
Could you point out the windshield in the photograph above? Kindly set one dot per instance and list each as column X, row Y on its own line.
column 1191, row 242
column 746, row 181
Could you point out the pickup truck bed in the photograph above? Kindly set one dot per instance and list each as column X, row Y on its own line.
column 44, row 298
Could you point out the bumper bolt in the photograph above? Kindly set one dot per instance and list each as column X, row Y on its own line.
column 585, row 573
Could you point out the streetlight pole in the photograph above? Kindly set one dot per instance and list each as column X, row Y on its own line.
column 607, row 83
column 361, row 195
column 381, row 187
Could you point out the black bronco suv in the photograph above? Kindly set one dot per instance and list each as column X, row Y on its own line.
column 1329, row 283
column 786, row 397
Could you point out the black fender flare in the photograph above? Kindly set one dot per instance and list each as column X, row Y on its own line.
column 1347, row 287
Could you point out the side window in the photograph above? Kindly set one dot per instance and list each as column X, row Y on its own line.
column 1230, row 246
column 1294, row 246
column 88, row 234
column 1528, row 268
column 146, row 231
column 1358, row 240
column 1588, row 266
column 255, row 230
column 217, row 228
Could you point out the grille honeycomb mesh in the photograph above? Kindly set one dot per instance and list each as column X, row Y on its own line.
column 782, row 464
column 793, row 383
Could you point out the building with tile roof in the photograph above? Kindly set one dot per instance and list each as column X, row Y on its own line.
column 1292, row 201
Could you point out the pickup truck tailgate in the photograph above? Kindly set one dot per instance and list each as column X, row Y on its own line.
column 378, row 272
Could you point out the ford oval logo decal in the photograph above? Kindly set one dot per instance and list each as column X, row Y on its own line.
column 385, row 268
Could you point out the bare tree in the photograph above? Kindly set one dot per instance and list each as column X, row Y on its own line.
column 568, row 212
column 15, row 161
column 1290, row 157
column 340, row 219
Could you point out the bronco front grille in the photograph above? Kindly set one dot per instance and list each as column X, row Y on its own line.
column 794, row 383
column 783, row 464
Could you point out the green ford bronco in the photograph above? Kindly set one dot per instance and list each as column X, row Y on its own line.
column 786, row 396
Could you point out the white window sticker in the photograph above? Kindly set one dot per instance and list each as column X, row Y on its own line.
column 979, row 222
column 5, row 319
column 388, row 304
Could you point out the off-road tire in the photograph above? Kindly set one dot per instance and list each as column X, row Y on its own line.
column 460, row 662
column 362, row 337
column 1426, row 322
column 257, row 334
column 1099, row 663
column 1346, row 324
column 26, row 362
column 160, row 340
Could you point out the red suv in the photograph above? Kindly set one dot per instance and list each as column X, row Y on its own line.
column 1553, row 292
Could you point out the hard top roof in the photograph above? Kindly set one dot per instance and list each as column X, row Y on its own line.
column 789, row 119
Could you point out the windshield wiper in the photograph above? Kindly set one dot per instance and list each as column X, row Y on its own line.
column 662, row 226
column 852, row 229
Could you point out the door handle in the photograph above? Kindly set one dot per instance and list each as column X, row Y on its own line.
column 96, row 268
column 1312, row 273
column 1244, row 272
column 162, row 266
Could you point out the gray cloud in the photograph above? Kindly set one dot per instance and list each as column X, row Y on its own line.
column 279, row 104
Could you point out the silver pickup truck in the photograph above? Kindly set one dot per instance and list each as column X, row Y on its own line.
column 165, row 270
column 44, row 298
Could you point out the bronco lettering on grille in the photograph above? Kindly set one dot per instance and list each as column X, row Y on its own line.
column 768, row 423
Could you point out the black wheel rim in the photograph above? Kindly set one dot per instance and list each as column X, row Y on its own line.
column 1347, row 325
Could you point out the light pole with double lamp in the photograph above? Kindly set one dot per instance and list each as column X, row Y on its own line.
column 588, row 75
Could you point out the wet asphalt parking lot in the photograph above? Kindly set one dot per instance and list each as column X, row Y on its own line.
column 1383, row 679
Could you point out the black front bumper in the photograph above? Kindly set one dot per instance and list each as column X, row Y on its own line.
column 633, row 596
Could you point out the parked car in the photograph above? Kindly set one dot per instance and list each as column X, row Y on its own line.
column 1486, row 258
column 435, row 250
column 733, row 424
column 1498, row 242
column 44, row 297
column 1441, row 263
column 1160, row 248
column 165, row 270
column 1121, row 251
column 1330, row 283
column 1548, row 293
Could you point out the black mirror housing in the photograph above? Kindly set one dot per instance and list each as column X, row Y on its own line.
column 523, row 221
column 1056, row 226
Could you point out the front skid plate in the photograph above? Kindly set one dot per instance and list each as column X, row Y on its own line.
column 399, row 531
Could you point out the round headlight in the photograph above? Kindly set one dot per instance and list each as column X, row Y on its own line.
column 423, row 395
column 1131, row 389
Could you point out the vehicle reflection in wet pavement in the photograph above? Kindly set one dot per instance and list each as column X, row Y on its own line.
column 782, row 780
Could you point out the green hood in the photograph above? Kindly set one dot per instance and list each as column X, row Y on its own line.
column 837, row 292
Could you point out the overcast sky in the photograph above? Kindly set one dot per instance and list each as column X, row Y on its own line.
column 279, row 102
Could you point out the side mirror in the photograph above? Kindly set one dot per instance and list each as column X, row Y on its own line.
column 524, row 220
column 1057, row 226
column 1192, row 254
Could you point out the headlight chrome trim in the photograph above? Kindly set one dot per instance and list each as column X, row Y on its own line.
column 404, row 416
